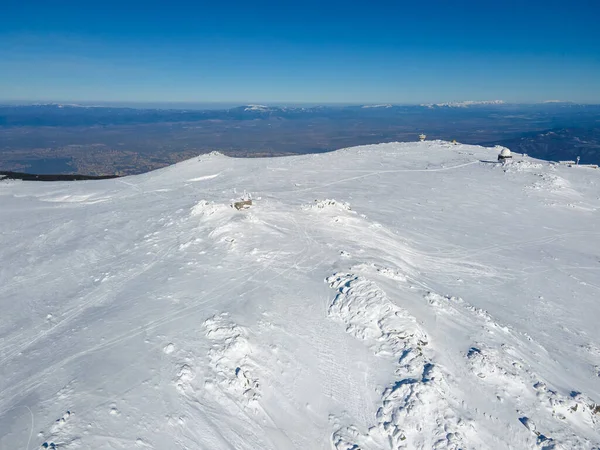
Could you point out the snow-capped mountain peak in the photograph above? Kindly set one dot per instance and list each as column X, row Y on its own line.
column 464, row 104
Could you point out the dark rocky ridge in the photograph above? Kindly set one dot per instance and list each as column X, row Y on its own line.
column 51, row 177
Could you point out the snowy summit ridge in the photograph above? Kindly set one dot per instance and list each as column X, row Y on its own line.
column 394, row 296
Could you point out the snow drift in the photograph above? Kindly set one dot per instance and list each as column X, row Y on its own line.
column 398, row 296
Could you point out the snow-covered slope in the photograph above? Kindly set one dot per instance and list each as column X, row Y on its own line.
column 381, row 297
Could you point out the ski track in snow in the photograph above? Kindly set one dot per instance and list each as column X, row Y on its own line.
column 384, row 172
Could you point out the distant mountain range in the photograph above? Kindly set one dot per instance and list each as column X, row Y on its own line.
column 82, row 115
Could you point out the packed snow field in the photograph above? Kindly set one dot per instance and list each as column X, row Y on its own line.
column 397, row 296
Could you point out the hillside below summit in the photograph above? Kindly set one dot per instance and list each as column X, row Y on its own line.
column 393, row 296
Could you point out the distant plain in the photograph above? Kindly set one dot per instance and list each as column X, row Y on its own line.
column 107, row 140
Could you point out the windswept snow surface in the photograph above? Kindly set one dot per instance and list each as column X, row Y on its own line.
column 396, row 296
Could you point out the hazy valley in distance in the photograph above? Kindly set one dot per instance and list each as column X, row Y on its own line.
column 120, row 140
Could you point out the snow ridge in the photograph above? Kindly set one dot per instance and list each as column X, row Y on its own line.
column 229, row 358
column 415, row 411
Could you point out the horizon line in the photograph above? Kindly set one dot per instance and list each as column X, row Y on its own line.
column 125, row 103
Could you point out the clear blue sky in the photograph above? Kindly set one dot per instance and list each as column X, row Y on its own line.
column 309, row 51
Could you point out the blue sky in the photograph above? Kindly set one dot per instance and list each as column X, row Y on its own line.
column 292, row 52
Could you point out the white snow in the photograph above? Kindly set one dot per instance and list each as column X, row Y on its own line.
column 386, row 105
column 465, row 104
column 256, row 108
column 396, row 296
column 205, row 177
